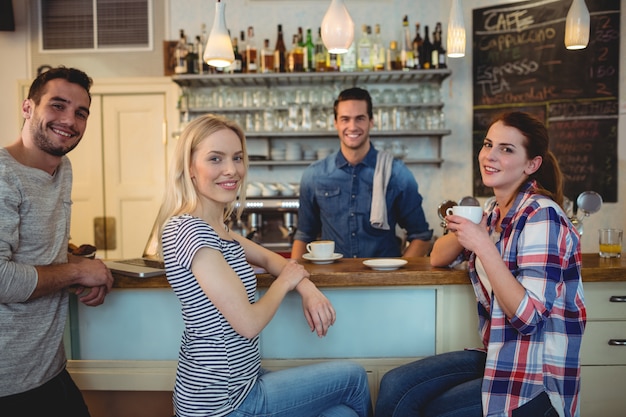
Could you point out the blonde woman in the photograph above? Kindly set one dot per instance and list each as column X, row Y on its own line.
column 208, row 266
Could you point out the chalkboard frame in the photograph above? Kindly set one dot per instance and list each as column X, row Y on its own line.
column 520, row 63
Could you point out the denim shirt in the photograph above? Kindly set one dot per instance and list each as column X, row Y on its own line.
column 335, row 204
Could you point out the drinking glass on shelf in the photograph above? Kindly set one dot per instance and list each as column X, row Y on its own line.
column 268, row 120
column 426, row 93
column 293, row 121
column 258, row 121
column 388, row 96
column 279, row 120
column 414, row 95
column 384, row 122
column 306, row 120
column 320, row 121
column 399, row 118
column 375, row 94
column 259, row 98
column 401, row 96
column 246, row 98
column 288, row 97
column 421, row 121
column 249, row 122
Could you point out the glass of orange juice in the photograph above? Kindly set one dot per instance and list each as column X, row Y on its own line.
column 610, row 243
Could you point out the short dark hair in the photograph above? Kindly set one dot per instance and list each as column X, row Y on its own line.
column 73, row 75
column 355, row 93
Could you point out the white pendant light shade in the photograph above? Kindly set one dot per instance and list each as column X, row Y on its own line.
column 337, row 28
column 577, row 25
column 456, row 31
column 219, row 49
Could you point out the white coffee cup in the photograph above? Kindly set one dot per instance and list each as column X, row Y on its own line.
column 473, row 213
column 321, row 248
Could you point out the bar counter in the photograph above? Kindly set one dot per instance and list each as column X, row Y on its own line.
column 350, row 272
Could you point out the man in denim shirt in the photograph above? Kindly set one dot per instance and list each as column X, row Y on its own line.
column 336, row 193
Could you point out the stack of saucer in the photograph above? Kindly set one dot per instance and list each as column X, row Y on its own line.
column 323, row 153
column 278, row 154
column 293, row 152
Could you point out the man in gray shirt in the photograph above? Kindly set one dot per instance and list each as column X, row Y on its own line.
column 36, row 272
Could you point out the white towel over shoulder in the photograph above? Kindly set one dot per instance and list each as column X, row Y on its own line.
column 382, row 173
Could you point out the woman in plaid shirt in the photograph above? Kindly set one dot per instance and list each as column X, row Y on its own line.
column 524, row 266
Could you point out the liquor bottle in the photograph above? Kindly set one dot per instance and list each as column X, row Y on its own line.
column 406, row 48
column 267, row 57
column 378, row 50
column 364, row 50
column 309, row 50
column 394, row 62
column 427, row 50
column 320, row 52
column 333, row 62
column 295, row 55
column 417, row 47
column 251, row 52
column 192, row 57
column 348, row 60
column 301, row 50
column 279, row 52
column 237, row 65
column 434, row 56
column 203, row 40
column 242, row 48
column 438, row 45
column 181, row 54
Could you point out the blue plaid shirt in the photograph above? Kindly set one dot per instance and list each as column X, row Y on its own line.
column 336, row 199
column 539, row 348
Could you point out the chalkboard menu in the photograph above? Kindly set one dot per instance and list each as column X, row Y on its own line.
column 520, row 63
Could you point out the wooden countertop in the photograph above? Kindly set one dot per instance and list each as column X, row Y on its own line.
column 352, row 273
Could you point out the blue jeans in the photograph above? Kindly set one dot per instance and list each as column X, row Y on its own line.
column 447, row 385
column 329, row 389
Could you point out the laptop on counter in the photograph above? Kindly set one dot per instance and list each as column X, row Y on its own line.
column 149, row 265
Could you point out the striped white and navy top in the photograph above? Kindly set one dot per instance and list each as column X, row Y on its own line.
column 217, row 367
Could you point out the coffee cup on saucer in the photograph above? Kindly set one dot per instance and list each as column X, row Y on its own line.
column 321, row 248
column 473, row 213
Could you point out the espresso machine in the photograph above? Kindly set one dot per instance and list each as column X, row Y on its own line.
column 270, row 221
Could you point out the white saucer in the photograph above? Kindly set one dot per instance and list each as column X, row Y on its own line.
column 322, row 261
column 385, row 264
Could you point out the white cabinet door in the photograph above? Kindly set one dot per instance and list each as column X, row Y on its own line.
column 87, row 194
column 134, row 151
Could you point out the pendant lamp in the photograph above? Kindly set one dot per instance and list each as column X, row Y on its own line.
column 219, row 50
column 337, row 28
column 577, row 25
column 456, row 31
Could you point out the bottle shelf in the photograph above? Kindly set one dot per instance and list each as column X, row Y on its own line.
column 311, row 78
column 333, row 134
column 202, row 110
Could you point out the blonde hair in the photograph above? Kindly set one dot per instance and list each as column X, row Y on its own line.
column 180, row 194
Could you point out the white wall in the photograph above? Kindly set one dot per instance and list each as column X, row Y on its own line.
column 451, row 181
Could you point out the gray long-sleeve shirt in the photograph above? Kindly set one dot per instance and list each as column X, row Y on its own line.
column 34, row 230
